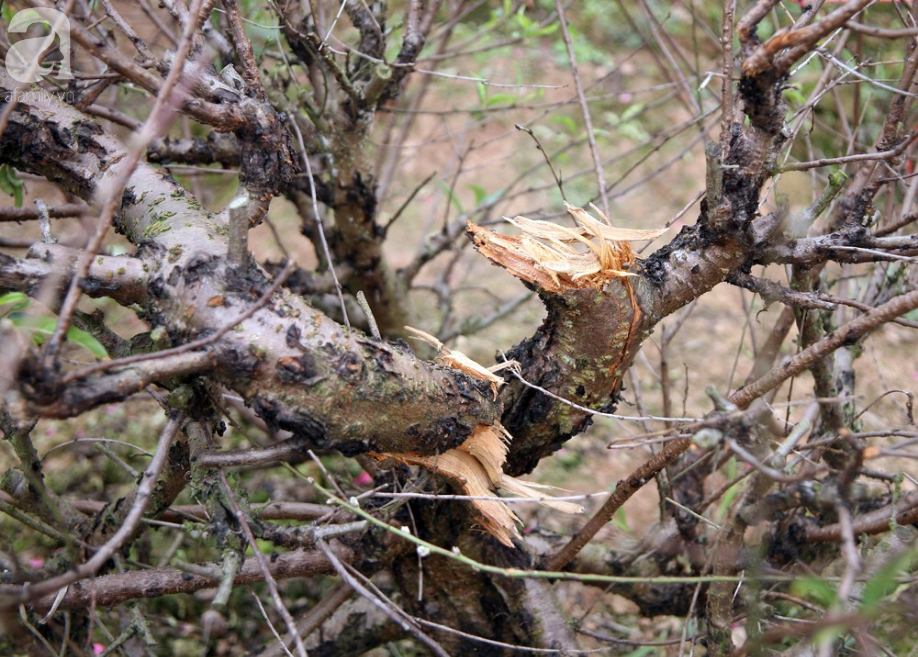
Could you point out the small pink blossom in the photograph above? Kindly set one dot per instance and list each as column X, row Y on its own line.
column 363, row 479
column 98, row 648
column 36, row 562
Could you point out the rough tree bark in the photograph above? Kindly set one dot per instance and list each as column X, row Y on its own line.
column 338, row 388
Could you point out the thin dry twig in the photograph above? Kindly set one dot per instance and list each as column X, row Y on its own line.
column 551, row 168
column 591, row 411
column 164, row 109
column 54, row 211
column 111, row 590
column 726, row 103
column 404, row 623
column 874, row 522
column 845, row 335
column 623, row 492
column 145, row 490
column 317, row 217
column 585, row 108
column 127, row 30
column 263, row 565
column 318, row 614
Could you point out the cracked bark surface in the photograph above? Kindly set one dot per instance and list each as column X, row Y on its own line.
column 302, row 372
column 339, row 389
column 299, row 370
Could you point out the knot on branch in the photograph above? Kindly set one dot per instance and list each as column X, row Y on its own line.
column 266, row 159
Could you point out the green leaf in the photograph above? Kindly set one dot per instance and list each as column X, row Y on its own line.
column 731, row 468
column 11, row 184
column 16, row 300
column 482, row 197
column 620, row 520
column 633, row 131
column 727, row 500
column 479, row 192
column 544, row 31
column 815, row 588
column 453, row 198
column 794, row 97
column 828, row 634
column 885, row 581
column 42, row 327
column 87, row 341
column 497, row 99
column 522, row 20
column 482, row 93
column 566, row 122
column 493, row 196
column 633, row 110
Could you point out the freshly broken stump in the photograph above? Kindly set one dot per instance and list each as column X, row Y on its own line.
column 476, row 467
column 556, row 258
column 459, row 361
column 585, row 276
column 562, row 261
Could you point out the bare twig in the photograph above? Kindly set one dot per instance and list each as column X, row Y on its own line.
column 54, row 211
column 857, row 157
column 144, row 491
column 263, row 564
column 243, row 48
column 726, row 103
column 874, row 522
column 623, row 492
column 592, row 411
column 110, row 590
column 238, row 239
column 551, row 168
column 407, row 202
column 127, row 30
column 365, row 306
column 160, row 116
column 302, row 511
column 845, row 335
column 319, row 613
column 881, row 33
column 772, row 291
column 317, row 217
column 405, row 624
column 584, row 107
column 789, row 45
